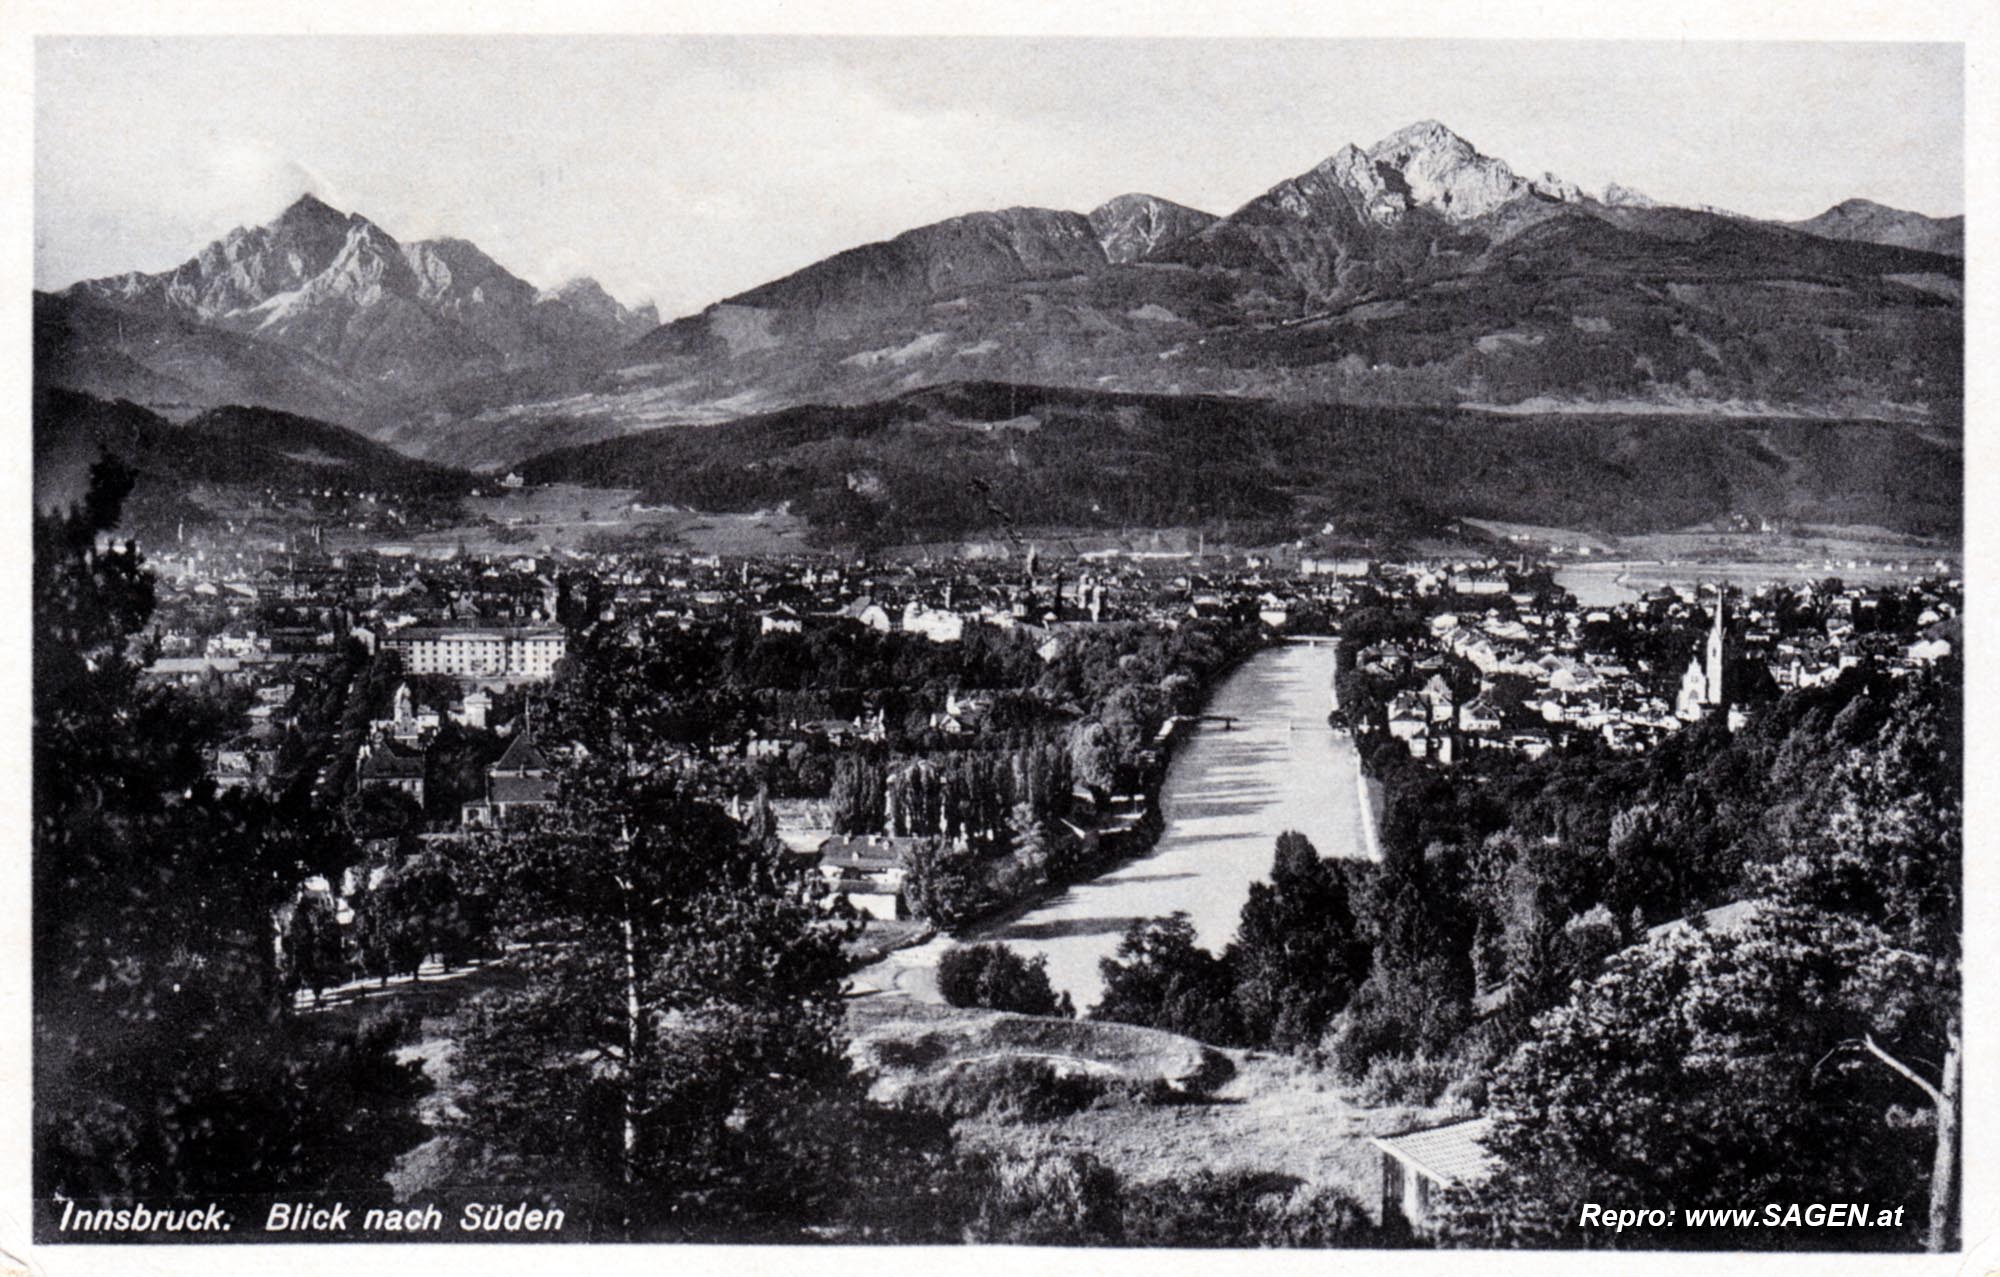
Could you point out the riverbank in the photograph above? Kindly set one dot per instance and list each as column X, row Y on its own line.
column 1369, row 792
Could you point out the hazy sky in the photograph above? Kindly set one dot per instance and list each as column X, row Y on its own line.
column 685, row 169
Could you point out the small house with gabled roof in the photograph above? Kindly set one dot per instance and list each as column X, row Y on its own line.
column 518, row 783
column 1418, row 1165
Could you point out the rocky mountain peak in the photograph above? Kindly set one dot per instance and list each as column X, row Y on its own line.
column 450, row 269
column 1349, row 159
column 1422, row 166
column 1625, row 197
column 309, row 209
column 580, row 303
column 1439, row 170
column 370, row 262
column 1131, row 226
column 1559, row 189
column 579, row 290
column 1425, row 139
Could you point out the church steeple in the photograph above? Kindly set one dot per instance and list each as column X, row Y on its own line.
column 1717, row 644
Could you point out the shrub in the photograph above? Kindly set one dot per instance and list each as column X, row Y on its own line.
column 1046, row 1199
column 1313, row 1216
column 995, row 977
column 1396, row 1014
column 1242, row 1209
column 1204, row 1209
column 919, row 1053
column 1415, row 1081
column 1466, row 1094
column 1008, row 1086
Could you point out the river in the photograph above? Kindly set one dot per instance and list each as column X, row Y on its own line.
column 1597, row 584
column 1228, row 794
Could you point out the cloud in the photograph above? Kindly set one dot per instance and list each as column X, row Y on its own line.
column 249, row 175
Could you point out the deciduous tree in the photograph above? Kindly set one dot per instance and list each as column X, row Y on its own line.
column 1296, row 957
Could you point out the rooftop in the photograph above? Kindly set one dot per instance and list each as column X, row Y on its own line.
column 522, row 756
column 428, row 633
column 1451, row 1154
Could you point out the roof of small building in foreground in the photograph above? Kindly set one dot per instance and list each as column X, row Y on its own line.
column 1451, row 1154
column 861, row 850
column 522, row 755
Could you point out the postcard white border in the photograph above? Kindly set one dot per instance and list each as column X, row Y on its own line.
column 1972, row 24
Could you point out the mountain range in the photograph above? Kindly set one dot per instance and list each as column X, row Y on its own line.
column 1414, row 272
column 333, row 315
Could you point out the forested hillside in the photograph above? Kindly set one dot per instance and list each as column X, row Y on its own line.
column 982, row 457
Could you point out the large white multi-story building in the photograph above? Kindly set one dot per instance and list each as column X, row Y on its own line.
column 481, row 652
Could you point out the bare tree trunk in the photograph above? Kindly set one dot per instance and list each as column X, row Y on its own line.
column 632, row 1024
column 1941, row 1235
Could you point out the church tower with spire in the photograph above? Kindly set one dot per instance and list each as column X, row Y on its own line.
column 1703, row 687
column 1717, row 642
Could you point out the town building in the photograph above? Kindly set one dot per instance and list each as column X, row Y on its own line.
column 384, row 768
column 1702, row 687
column 868, row 869
column 479, row 652
column 519, row 783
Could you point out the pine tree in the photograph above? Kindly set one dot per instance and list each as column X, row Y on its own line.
column 676, row 1043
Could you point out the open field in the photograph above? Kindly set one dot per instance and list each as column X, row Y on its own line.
column 1828, row 548
column 567, row 516
column 1856, row 556
column 1241, row 1111
column 1274, row 1117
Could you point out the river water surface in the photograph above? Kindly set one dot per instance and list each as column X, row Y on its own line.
column 1229, row 792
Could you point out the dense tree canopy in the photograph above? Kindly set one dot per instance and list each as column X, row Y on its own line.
column 1810, row 1053
column 995, row 977
column 166, row 1061
column 675, row 1050
column 1162, row 979
column 1298, row 954
column 1695, row 1072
